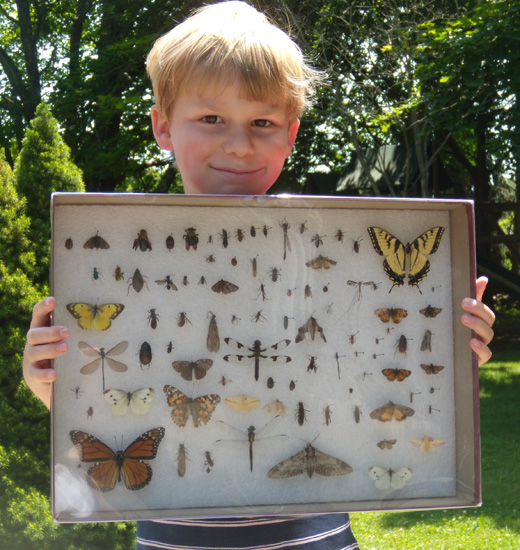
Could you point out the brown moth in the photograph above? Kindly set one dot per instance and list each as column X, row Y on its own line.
column 321, row 262
column 311, row 327
column 430, row 311
column 242, row 403
column 426, row 344
column 96, row 242
column 224, row 287
column 213, row 340
column 386, row 444
column 392, row 410
column 309, row 461
column 431, row 368
column 188, row 369
column 275, row 408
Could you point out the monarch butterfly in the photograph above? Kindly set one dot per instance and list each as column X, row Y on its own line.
column 111, row 467
column 94, row 317
column 396, row 253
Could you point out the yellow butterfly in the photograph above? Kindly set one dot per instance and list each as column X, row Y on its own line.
column 396, row 254
column 426, row 443
column 242, row 402
column 94, row 317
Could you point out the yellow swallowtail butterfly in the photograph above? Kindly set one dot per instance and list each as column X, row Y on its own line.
column 396, row 254
column 94, row 317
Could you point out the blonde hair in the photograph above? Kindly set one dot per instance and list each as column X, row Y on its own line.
column 225, row 41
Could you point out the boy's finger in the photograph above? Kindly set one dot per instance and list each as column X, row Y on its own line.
column 42, row 375
column 41, row 311
column 480, row 327
column 42, row 353
column 44, row 335
column 479, row 310
column 481, row 287
column 483, row 352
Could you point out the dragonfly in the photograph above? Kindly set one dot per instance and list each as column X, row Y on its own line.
column 252, row 355
column 102, row 355
column 247, row 439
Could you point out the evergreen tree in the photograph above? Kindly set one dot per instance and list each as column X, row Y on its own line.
column 44, row 166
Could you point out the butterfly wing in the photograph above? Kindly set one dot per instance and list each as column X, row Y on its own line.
column 224, row 287
column 202, row 408
column 140, row 400
column 180, row 403
column 293, row 466
column 386, row 444
column 96, row 241
column 119, row 401
column 94, row 317
column 275, row 408
column 426, row 443
column 327, row 465
column 399, row 477
column 201, row 367
column 384, row 413
column 381, row 476
column 184, row 368
column 385, row 244
column 402, row 412
column 431, row 368
column 425, row 244
column 137, row 474
column 430, row 311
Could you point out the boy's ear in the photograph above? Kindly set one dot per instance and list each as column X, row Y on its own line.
column 161, row 129
column 293, row 132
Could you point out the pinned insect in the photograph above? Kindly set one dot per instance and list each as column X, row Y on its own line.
column 317, row 240
column 170, row 242
column 169, row 347
column 90, row 413
column 274, row 272
column 265, row 230
column 392, row 410
column 262, row 292
column 235, row 319
column 286, row 244
column 426, row 344
column 292, row 384
column 313, row 365
column 242, row 403
column 138, row 400
column 240, row 235
column 96, row 242
column 102, row 355
column 300, row 413
column 386, row 478
column 290, row 291
column 247, row 440
column 254, row 265
column 96, row 274
column 387, row 314
column 153, row 318
column 255, row 353
column 337, row 357
column 185, row 281
column 412, row 393
column 69, row 243
column 224, row 287
column 252, row 231
column 431, row 368
column 211, row 259
column 286, row 321
column 182, row 457
column 310, row 461
column 270, row 383
column 358, row 292
column 396, row 374
column 321, row 262
column 275, row 408
column 311, row 327
column 430, row 311
column 167, row 281
column 200, row 408
column 142, row 242
column 258, row 317
column 203, row 280
column 225, row 238
column 189, row 369
column 118, row 274
column 426, row 443
column 182, row 319
column 357, row 414
column 145, row 354
column 234, row 261
column 77, row 392
column 303, row 227
column 307, row 292
column 137, row 282
column 224, row 381
column 352, row 338
column 213, row 340
column 401, row 344
column 356, row 244
column 328, row 415
column 386, row 444
column 191, row 238
column 94, row 317
column 340, row 235
column 208, row 462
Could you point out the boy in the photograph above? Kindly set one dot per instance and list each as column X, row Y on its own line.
column 229, row 89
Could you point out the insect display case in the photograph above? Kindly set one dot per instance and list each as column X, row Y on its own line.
column 262, row 355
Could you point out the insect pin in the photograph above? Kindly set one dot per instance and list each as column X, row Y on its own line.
column 142, row 242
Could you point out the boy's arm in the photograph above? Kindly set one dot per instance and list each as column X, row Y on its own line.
column 480, row 319
column 43, row 344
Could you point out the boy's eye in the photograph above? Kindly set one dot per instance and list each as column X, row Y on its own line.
column 262, row 123
column 211, row 119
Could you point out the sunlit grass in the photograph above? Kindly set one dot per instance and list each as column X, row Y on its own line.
column 496, row 525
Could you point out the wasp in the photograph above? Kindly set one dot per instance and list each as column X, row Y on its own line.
column 142, row 242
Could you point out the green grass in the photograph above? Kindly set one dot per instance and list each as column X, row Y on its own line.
column 496, row 525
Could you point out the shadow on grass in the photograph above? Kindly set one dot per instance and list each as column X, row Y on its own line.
column 500, row 442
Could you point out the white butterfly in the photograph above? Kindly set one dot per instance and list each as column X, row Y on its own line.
column 387, row 477
column 139, row 400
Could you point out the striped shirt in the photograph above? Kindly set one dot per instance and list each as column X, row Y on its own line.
column 311, row 532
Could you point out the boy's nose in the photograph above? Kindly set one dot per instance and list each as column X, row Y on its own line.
column 239, row 142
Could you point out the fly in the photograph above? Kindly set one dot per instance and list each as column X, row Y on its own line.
column 167, row 282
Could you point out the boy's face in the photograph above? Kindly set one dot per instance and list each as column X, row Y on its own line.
column 225, row 144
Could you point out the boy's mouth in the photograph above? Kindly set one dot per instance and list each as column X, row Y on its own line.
column 236, row 172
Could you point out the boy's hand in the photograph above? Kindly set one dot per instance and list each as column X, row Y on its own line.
column 43, row 344
column 480, row 319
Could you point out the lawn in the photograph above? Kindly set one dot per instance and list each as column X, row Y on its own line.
column 496, row 525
